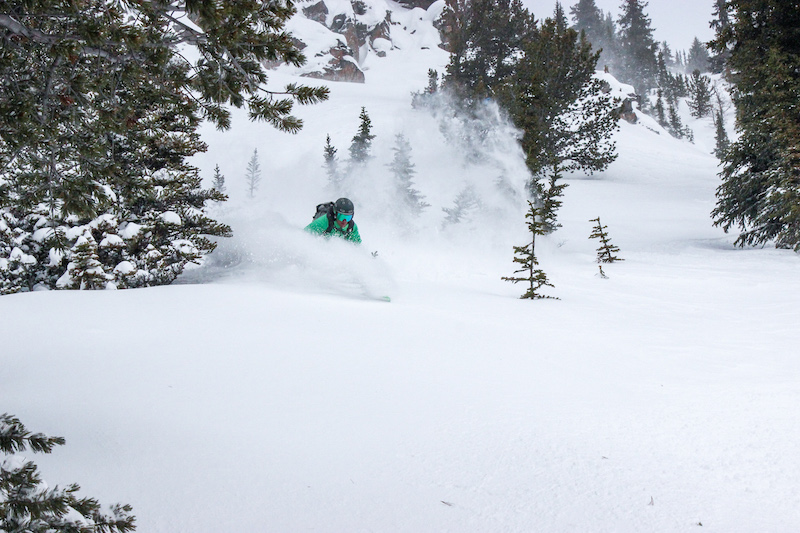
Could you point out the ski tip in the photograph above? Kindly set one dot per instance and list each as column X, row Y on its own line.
column 384, row 298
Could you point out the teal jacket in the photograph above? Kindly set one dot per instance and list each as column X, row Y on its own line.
column 320, row 227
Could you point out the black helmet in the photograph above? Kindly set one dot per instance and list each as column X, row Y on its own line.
column 344, row 206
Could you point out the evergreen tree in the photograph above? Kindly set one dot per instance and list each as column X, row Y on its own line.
column 403, row 170
column 332, row 166
column 721, row 136
column 464, row 203
column 659, row 111
column 637, row 47
column 606, row 251
column 484, row 51
column 760, row 190
column 666, row 51
column 218, row 183
column 99, row 113
column 253, row 175
column 361, row 145
column 588, row 18
column 721, row 24
column 525, row 256
column 550, row 200
column 675, row 124
column 700, row 95
column 85, row 271
column 697, row 58
column 28, row 505
column 566, row 119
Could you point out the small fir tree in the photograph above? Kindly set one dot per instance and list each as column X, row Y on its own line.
column 361, row 145
column 332, row 165
column 85, row 271
column 675, row 125
column 218, row 183
column 525, row 256
column 253, row 175
column 465, row 202
column 661, row 115
column 606, row 251
column 27, row 504
column 403, row 170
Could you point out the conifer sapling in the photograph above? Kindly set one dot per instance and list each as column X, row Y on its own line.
column 253, row 175
column 526, row 257
column 219, row 180
column 606, row 251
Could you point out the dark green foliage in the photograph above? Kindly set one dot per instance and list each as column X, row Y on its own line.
column 760, row 190
column 598, row 30
column 27, row 505
column 606, row 251
column 637, row 47
column 549, row 194
column 218, row 181
column 699, row 95
column 403, row 170
column 525, row 256
column 543, row 77
column 85, row 271
column 253, row 175
column 99, row 110
column 566, row 119
column 490, row 35
column 720, row 23
column 721, row 136
column 361, row 145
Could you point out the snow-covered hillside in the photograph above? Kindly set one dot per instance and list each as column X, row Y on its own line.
column 267, row 392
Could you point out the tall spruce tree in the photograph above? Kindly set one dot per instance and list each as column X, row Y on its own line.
column 720, row 22
column 588, row 18
column 638, row 49
column 26, row 502
column 484, row 51
column 99, row 110
column 566, row 118
column 699, row 95
column 760, row 190
column 698, row 58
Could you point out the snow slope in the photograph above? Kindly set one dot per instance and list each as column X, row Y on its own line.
column 268, row 391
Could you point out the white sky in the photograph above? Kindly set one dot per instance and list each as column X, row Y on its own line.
column 676, row 21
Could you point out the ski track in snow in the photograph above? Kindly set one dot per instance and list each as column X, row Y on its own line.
column 269, row 391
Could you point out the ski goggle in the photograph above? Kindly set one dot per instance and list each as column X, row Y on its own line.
column 344, row 218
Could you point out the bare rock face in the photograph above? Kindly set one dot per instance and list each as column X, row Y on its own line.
column 317, row 12
column 354, row 40
column 344, row 69
column 351, row 32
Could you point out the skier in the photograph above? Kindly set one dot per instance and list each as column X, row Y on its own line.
column 337, row 220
